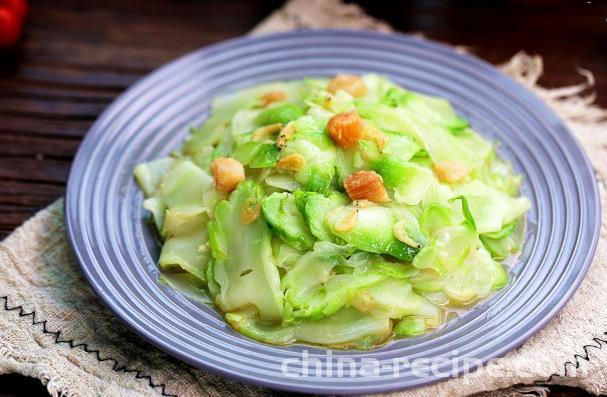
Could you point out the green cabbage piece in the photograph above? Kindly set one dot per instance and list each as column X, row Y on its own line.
column 505, row 242
column 326, row 248
column 284, row 254
column 450, row 246
column 408, row 216
column 244, row 122
column 282, row 113
column 188, row 284
column 410, row 326
column 244, row 265
column 345, row 163
column 454, row 261
column 322, row 103
column 314, row 288
column 498, row 174
column 318, row 149
column 281, row 182
column 314, row 207
column 157, row 208
column 400, row 147
column 184, row 248
column 377, row 86
column 427, row 119
column 225, row 107
column 179, row 213
column 179, row 196
column 283, row 216
column 395, row 298
column 224, row 147
column 346, row 328
column 212, row 285
column 473, row 278
column 435, row 217
column 459, row 126
column 372, row 232
column 409, row 181
column 257, row 154
column 184, row 185
column 204, row 157
column 149, row 175
column 175, row 218
column 311, row 291
column 468, row 217
column 491, row 208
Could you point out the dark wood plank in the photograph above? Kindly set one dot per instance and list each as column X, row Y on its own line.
column 69, row 75
column 23, row 145
column 53, row 108
column 29, row 195
column 18, row 87
column 11, row 123
column 34, row 169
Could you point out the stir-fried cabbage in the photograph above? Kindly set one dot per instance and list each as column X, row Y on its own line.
column 349, row 211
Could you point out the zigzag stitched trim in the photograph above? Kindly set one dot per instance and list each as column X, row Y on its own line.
column 73, row 345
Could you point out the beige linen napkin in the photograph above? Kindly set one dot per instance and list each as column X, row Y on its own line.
column 54, row 328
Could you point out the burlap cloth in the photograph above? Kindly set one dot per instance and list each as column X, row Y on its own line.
column 54, row 328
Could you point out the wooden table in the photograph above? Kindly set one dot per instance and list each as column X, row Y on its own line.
column 77, row 56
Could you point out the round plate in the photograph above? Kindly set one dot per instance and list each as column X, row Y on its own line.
column 118, row 254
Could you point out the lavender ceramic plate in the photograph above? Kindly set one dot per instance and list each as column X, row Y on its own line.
column 117, row 251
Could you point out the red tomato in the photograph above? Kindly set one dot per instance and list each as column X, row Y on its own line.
column 19, row 7
column 10, row 27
